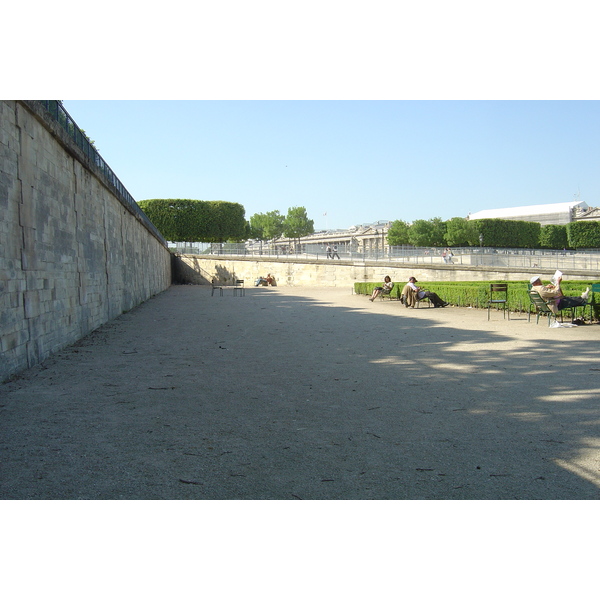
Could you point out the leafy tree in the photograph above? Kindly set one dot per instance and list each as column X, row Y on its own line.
column 506, row 233
column 182, row 220
column 528, row 234
column 266, row 226
column 297, row 224
column 226, row 222
column 584, row 234
column 397, row 234
column 427, row 233
column 420, row 233
column 178, row 220
column 553, row 236
column 461, row 232
column 439, row 231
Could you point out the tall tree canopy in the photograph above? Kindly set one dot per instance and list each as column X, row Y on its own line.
column 266, row 226
column 397, row 234
column 554, row 236
column 461, row 232
column 297, row 224
column 584, row 234
column 427, row 233
column 183, row 220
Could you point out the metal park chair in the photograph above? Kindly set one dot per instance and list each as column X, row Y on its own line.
column 594, row 299
column 385, row 293
column 216, row 286
column 239, row 287
column 541, row 308
column 498, row 296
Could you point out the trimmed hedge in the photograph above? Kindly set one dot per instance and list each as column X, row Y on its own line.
column 584, row 234
column 505, row 233
column 554, row 237
column 184, row 220
column 475, row 294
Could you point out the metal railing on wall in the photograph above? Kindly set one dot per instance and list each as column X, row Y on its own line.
column 64, row 119
column 512, row 258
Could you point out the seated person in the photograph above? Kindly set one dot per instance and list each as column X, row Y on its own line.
column 388, row 285
column 270, row 279
column 260, row 281
column 408, row 296
column 552, row 295
column 414, row 293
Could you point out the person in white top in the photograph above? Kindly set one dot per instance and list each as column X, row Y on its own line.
column 420, row 293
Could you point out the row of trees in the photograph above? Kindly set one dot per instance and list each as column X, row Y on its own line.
column 217, row 221
column 500, row 233
column 181, row 220
column 270, row 225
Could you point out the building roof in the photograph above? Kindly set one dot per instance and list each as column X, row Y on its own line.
column 527, row 211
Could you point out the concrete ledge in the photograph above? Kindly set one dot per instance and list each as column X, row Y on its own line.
column 201, row 269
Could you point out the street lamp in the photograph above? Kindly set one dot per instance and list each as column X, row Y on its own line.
column 481, row 239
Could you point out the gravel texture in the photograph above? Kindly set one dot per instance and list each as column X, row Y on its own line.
column 307, row 393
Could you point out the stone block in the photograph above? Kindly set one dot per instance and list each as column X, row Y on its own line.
column 31, row 303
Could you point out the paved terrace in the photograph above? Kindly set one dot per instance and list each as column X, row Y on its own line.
column 305, row 393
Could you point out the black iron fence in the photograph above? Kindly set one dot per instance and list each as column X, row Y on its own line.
column 64, row 119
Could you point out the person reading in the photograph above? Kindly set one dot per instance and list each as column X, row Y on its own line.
column 553, row 296
column 387, row 286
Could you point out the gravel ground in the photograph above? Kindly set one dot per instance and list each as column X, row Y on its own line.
column 307, row 393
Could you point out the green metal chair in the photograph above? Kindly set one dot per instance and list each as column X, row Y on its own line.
column 423, row 299
column 593, row 299
column 541, row 308
column 239, row 287
column 386, row 293
column 498, row 296
column 216, row 286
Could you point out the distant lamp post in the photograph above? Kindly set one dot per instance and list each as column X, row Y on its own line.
column 481, row 239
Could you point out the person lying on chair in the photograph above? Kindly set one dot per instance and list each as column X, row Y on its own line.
column 419, row 293
column 552, row 295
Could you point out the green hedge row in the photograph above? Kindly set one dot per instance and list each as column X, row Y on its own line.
column 475, row 294
column 577, row 235
column 504, row 233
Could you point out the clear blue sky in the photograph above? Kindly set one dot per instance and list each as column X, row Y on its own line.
column 391, row 111
column 357, row 161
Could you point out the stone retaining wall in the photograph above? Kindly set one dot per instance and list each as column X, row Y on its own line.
column 201, row 269
column 72, row 255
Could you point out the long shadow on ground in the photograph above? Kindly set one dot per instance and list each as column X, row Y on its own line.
column 280, row 396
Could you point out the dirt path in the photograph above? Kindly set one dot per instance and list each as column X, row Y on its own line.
column 298, row 393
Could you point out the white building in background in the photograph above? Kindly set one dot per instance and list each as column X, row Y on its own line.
column 560, row 213
column 358, row 239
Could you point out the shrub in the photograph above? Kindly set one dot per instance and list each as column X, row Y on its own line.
column 584, row 234
column 554, row 236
